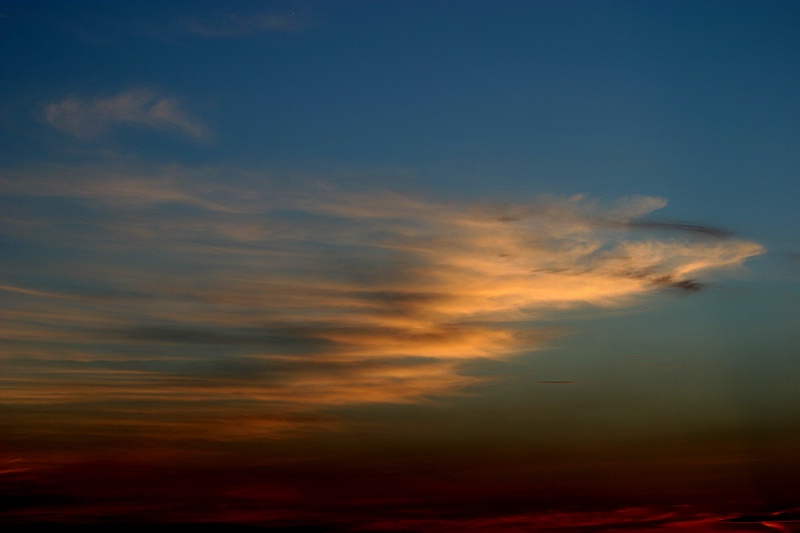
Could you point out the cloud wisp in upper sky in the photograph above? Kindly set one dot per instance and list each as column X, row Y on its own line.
column 139, row 107
column 174, row 293
column 243, row 25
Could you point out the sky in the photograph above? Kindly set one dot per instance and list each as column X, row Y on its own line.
column 427, row 266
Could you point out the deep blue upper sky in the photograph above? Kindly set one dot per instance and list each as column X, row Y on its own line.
column 696, row 101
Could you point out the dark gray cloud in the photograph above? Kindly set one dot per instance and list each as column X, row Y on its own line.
column 790, row 516
column 288, row 339
column 683, row 227
column 685, row 285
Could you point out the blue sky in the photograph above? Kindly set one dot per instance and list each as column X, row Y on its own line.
column 674, row 98
column 530, row 233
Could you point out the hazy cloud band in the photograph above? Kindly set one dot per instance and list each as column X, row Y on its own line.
column 172, row 288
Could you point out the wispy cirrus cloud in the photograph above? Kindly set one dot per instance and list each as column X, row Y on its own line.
column 243, row 25
column 175, row 288
column 138, row 107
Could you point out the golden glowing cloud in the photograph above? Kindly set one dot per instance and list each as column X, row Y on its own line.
column 172, row 288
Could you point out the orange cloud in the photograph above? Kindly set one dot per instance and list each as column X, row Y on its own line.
column 180, row 288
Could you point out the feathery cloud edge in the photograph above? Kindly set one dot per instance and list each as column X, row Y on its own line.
column 88, row 119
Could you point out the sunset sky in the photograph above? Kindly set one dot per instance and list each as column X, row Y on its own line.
column 441, row 266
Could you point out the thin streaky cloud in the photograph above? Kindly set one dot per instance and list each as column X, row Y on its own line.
column 288, row 300
column 709, row 231
column 129, row 187
column 613, row 520
column 138, row 107
column 791, row 516
column 242, row 25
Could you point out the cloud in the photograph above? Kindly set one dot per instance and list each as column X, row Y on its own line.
column 709, row 231
column 242, row 25
column 776, row 519
column 612, row 520
column 90, row 118
column 173, row 287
